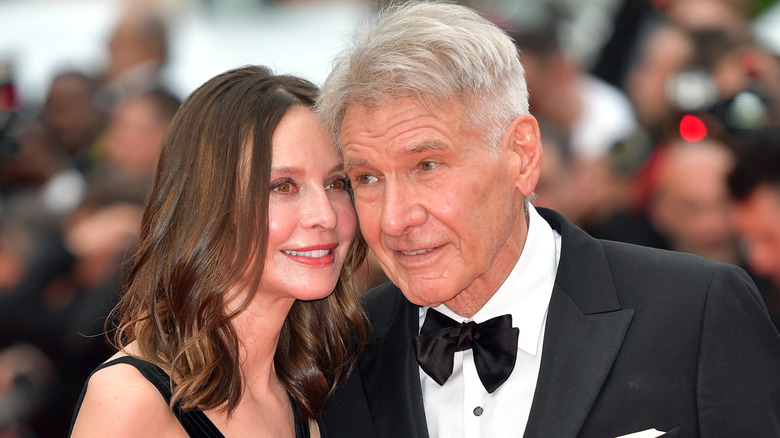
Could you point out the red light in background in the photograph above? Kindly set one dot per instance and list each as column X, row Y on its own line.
column 692, row 128
column 9, row 99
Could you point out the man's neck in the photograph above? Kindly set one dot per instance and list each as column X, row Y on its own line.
column 478, row 293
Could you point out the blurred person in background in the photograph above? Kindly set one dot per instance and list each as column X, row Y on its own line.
column 62, row 298
column 732, row 16
column 754, row 184
column 651, row 43
column 691, row 208
column 667, row 50
column 702, row 68
column 42, row 172
column 592, row 114
column 638, row 20
column 130, row 146
column 72, row 117
column 684, row 203
column 747, row 79
column 71, row 215
column 138, row 54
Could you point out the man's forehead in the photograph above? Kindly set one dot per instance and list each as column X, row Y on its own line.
column 409, row 100
column 355, row 156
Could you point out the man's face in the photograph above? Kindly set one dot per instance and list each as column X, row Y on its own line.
column 436, row 204
column 757, row 220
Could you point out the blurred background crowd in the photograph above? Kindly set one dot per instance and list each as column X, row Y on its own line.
column 660, row 122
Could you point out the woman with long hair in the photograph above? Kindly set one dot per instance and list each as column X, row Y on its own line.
column 240, row 305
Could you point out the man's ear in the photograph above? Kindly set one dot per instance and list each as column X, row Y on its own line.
column 524, row 144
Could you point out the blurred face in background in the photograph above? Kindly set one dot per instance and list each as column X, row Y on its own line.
column 692, row 208
column 665, row 53
column 135, row 137
column 70, row 113
column 758, row 224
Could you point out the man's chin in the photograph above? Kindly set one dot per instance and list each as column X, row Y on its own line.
column 426, row 292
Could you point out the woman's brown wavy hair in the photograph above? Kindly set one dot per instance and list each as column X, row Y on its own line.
column 205, row 226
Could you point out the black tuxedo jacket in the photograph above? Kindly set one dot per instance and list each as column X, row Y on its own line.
column 636, row 338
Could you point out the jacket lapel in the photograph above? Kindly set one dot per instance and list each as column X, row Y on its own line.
column 390, row 374
column 584, row 332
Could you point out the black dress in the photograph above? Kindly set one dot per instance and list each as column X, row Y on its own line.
column 195, row 422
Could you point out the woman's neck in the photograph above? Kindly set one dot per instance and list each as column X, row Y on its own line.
column 257, row 328
column 264, row 404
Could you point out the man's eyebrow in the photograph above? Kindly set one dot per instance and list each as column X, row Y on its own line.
column 424, row 146
column 351, row 164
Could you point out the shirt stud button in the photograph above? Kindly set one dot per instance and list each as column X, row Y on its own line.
column 478, row 411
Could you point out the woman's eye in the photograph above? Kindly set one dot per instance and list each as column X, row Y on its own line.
column 339, row 184
column 366, row 179
column 428, row 165
column 285, row 187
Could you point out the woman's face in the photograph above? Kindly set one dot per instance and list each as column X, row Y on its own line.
column 311, row 217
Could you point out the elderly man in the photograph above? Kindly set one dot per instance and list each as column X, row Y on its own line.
column 562, row 335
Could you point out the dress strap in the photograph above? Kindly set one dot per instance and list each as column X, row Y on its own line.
column 195, row 422
column 152, row 372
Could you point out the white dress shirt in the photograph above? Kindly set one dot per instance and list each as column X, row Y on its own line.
column 462, row 407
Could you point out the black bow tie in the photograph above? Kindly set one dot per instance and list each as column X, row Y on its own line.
column 494, row 343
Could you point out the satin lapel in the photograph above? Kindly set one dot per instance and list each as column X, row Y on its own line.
column 578, row 353
column 584, row 331
column 392, row 382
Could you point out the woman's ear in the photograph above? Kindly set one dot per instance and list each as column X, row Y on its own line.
column 524, row 145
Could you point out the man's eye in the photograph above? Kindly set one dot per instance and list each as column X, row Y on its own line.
column 366, row 179
column 428, row 165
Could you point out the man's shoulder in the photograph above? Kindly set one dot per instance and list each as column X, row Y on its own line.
column 635, row 271
column 677, row 278
column 581, row 252
column 627, row 256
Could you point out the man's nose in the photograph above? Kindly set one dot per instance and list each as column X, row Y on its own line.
column 402, row 208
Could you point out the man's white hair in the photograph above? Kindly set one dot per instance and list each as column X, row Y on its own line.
column 434, row 51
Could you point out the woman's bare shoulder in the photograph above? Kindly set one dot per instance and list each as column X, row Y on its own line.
column 120, row 401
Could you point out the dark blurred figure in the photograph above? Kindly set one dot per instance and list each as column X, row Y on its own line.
column 665, row 52
column 72, row 118
column 754, row 184
column 60, row 304
column 42, row 175
column 682, row 203
column 67, row 239
column 638, row 20
column 138, row 53
column 719, row 86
